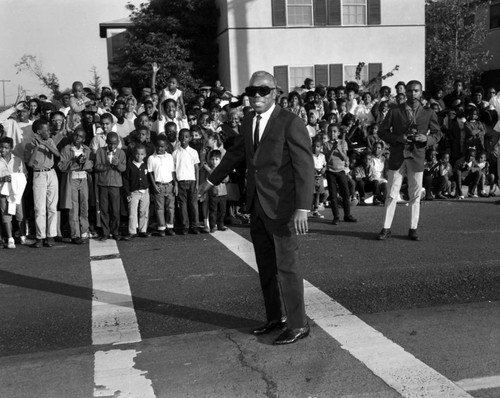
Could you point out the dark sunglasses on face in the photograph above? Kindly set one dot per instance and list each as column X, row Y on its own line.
column 252, row 91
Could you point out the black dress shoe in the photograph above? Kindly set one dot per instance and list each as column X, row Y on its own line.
column 413, row 235
column 335, row 221
column 384, row 234
column 290, row 336
column 169, row 232
column 269, row 326
column 194, row 231
column 350, row 218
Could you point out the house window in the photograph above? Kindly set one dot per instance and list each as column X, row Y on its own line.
column 298, row 74
column 495, row 16
column 353, row 12
column 300, row 12
column 350, row 73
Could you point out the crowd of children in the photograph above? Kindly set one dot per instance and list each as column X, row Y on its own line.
column 121, row 167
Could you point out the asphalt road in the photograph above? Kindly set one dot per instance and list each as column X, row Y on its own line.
column 195, row 302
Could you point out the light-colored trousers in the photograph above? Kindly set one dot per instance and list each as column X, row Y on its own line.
column 79, row 212
column 138, row 207
column 45, row 195
column 395, row 179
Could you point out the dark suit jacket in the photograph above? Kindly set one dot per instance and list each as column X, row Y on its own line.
column 396, row 124
column 281, row 171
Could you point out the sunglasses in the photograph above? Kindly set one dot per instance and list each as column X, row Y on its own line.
column 252, row 91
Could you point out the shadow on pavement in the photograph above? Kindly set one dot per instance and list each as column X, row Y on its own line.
column 140, row 304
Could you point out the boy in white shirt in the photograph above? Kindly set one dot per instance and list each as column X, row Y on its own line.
column 186, row 162
column 9, row 164
column 161, row 170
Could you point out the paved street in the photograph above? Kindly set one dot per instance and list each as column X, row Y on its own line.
column 170, row 317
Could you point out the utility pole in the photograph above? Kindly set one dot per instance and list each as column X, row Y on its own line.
column 3, row 85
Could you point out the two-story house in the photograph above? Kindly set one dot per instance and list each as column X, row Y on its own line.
column 321, row 39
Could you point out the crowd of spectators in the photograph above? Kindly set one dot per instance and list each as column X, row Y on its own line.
column 123, row 166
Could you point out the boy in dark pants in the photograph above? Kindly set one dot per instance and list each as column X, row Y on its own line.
column 110, row 162
column 217, row 197
column 186, row 162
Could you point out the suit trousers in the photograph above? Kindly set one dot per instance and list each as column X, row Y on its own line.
column 395, row 180
column 276, row 252
column 45, row 195
column 109, row 202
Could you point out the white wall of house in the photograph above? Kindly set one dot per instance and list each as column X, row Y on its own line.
column 254, row 44
column 492, row 42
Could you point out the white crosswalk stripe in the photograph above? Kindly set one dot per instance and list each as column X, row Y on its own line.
column 398, row 368
column 114, row 322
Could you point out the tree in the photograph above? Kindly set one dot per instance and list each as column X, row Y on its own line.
column 95, row 82
column 456, row 31
column 30, row 63
column 179, row 35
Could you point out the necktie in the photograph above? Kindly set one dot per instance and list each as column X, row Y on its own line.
column 256, row 133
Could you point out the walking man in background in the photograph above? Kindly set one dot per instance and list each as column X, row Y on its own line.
column 408, row 129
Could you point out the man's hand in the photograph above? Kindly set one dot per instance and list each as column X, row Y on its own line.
column 203, row 188
column 300, row 222
column 156, row 68
column 420, row 138
column 156, row 188
column 6, row 179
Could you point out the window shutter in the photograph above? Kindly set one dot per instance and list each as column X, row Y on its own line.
column 281, row 75
column 374, row 71
column 334, row 12
column 319, row 12
column 374, row 12
column 321, row 75
column 336, row 75
column 279, row 12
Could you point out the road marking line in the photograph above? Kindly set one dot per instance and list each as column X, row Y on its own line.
column 399, row 369
column 114, row 322
column 479, row 383
column 113, row 316
column 115, row 375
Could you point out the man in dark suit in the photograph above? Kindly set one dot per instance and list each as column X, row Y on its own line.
column 280, row 179
column 408, row 129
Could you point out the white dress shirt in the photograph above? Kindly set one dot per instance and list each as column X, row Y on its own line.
column 263, row 121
